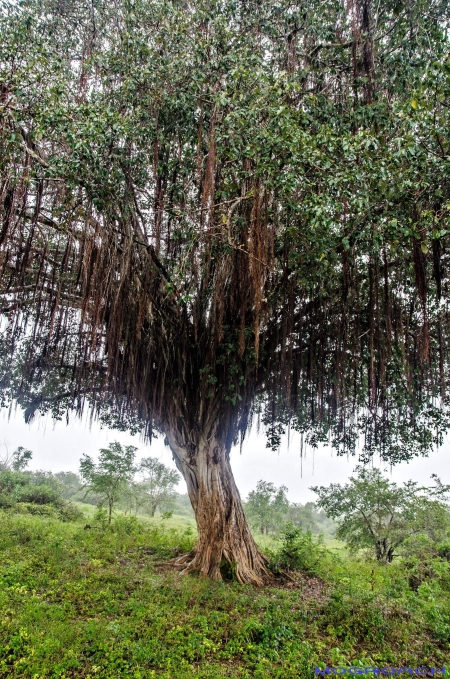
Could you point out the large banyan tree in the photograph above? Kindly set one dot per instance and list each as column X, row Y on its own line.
column 223, row 210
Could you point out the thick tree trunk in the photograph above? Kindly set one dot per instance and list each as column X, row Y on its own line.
column 225, row 544
column 384, row 551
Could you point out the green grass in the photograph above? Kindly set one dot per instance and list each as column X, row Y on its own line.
column 94, row 604
column 176, row 521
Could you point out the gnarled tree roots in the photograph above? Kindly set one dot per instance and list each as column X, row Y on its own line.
column 244, row 570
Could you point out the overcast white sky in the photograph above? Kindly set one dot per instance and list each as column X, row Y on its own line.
column 58, row 447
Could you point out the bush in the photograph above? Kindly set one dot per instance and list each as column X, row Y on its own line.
column 101, row 516
column 6, row 500
column 64, row 512
column 34, row 493
column 10, row 482
column 300, row 551
column 443, row 550
column 41, row 494
column 36, row 509
column 425, row 562
column 127, row 525
column 68, row 512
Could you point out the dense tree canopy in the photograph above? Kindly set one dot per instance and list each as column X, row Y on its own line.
column 221, row 209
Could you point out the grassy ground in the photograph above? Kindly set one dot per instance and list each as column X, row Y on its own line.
column 177, row 522
column 95, row 604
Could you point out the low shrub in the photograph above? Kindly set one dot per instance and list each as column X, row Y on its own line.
column 35, row 493
column 127, row 525
column 10, row 483
column 443, row 550
column 36, row 510
column 425, row 561
column 63, row 512
column 68, row 512
column 41, row 494
column 300, row 551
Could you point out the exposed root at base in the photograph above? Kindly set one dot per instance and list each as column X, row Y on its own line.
column 225, row 571
column 311, row 588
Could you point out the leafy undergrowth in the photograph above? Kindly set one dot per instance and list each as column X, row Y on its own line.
column 92, row 604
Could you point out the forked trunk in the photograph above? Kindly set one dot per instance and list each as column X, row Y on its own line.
column 225, row 545
column 384, row 551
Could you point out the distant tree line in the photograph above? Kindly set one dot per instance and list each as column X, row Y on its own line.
column 268, row 510
column 370, row 514
column 115, row 481
column 143, row 488
column 33, row 492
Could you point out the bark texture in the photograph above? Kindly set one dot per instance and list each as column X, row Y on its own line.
column 384, row 551
column 225, row 544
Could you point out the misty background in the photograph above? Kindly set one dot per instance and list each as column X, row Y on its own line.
column 58, row 446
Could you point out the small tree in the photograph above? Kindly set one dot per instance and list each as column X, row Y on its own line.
column 20, row 459
column 309, row 517
column 158, row 483
column 17, row 461
column 70, row 484
column 134, row 499
column 267, row 506
column 111, row 475
column 373, row 512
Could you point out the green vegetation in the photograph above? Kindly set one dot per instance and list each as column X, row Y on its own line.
column 96, row 604
column 156, row 490
column 111, row 475
column 268, row 509
column 219, row 212
column 375, row 513
column 29, row 492
column 110, row 483
column 88, row 594
column 299, row 552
